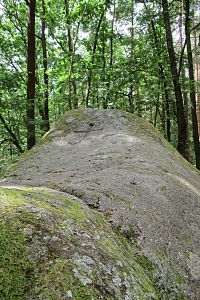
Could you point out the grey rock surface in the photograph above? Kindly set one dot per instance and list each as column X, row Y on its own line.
column 119, row 166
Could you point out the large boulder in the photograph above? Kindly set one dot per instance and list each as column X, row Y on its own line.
column 103, row 208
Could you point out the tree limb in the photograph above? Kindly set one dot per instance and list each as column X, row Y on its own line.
column 27, row 2
column 183, row 49
column 12, row 134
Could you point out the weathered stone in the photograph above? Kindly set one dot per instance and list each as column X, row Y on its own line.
column 104, row 208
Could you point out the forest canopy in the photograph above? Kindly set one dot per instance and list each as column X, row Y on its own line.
column 138, row 56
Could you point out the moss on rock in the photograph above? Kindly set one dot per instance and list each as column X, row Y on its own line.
column 53, row 247
column 15, row 266
column 130, row 235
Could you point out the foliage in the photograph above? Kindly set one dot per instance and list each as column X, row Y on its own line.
column 100, row 54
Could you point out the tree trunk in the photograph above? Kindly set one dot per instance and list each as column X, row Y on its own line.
column 110, row 74
column 30, row 110
column 157, row 110
column 131, row 106
column 197, row 82
column 45, row 124
column 197, row 73
column 138, row 100
column 192, row 84
column 166, row 103
column 105, row 97
column 182, row 68
column 94, row 51
column 166, row 106
column 112, row 34
column 70, row 49
column 166, row 96
column 137, row 87
column 181, row 121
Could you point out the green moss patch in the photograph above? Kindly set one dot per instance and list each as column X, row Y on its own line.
column 15, row 266
column 59, row 282
column 52, row 247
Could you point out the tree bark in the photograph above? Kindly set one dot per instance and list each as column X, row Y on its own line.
column 30, row 110
column 94, row 51
column 71, row 49
column 182, row 71
column 192, row 85
column 111, row 60
column 164, row 84
column 46, row 125
column 112, row 34
column 197, row 89
column 197, row 79
column 182, row 146
column 166, row 105
column 131, row 106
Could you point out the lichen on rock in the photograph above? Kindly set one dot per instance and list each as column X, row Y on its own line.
column 54, row 251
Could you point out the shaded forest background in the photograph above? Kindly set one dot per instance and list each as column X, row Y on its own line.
column 138, row 56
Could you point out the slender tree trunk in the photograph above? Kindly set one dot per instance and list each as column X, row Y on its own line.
column 166, row 103
column 137, row 85
column 109, row 94
column 72, row 87
column 93, row 58
column 163, row 115
column 157, row 110
column 198, row 84
column 182, row 68
column 166, row 106
column 30, row 110
column 94, row 51
column 168, row 117
column 138, row 100
column 192, row 84
column 46, row 125
column 68, row 21
column 181, row 121
column 112, row 34
column 70, row 49
column 197, row 79
column 131, row 106
column 105, row 98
